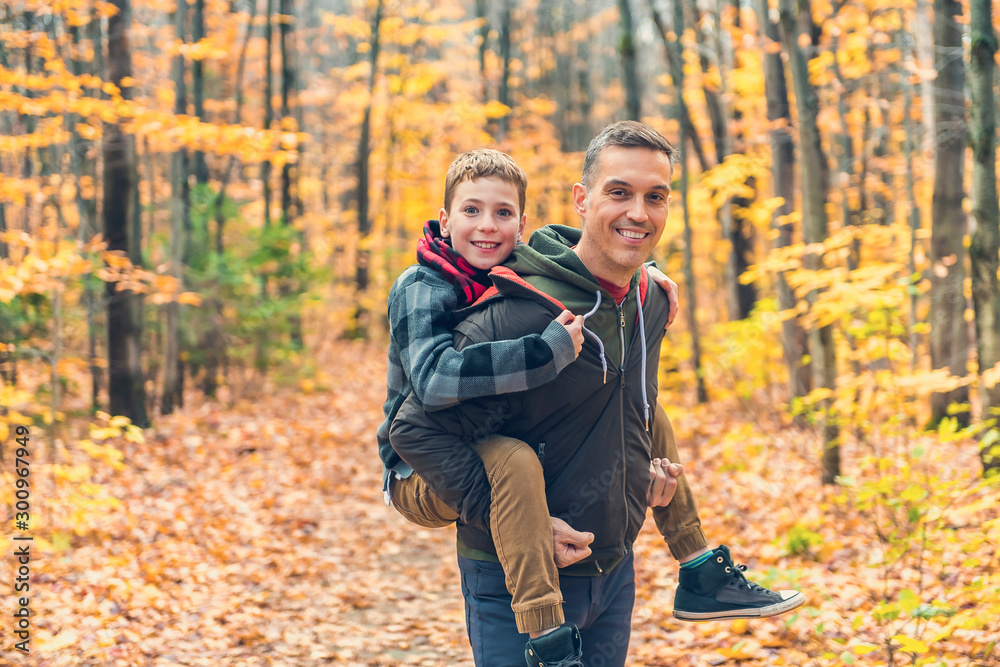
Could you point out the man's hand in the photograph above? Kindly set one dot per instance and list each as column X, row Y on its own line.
column 668, row 286
column 662, row 482
column 574, row 325
column 570, row 545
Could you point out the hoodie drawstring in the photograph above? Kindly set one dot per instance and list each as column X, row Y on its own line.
column 642, row 344
column 600, row 343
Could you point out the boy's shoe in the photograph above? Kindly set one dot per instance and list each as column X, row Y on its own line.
column 560, row 648
column 717, row 589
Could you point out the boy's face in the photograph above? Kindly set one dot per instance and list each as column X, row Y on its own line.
column 484, row 223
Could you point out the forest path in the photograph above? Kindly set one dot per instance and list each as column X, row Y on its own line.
column 257, row 535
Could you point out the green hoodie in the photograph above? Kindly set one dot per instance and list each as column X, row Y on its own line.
column 549, row 263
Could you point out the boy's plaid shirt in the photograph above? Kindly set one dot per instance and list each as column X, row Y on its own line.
column 422, row 358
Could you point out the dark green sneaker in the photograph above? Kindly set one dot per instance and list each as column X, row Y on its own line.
column 717, row 590
column 561, row 648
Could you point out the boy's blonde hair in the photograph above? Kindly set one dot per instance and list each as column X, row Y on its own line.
column 484, row 163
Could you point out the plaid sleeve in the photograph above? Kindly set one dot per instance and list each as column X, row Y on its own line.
column 420, row 319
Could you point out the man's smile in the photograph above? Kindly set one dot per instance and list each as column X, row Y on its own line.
column 631, row 234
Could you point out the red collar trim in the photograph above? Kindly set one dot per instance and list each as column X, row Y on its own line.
column 508, row 274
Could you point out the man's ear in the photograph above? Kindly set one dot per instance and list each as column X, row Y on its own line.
column 520, row 227
column 580, row 198
column 443, row 219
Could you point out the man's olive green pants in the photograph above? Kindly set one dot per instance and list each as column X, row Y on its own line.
column 522, row 530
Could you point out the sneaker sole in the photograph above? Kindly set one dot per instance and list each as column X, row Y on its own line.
column 775, row 609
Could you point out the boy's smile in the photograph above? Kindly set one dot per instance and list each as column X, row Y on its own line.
column 484, row 223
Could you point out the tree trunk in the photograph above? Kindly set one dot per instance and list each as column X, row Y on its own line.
column 503, row 92
column 220, row 219
column 359, row 327
column 949, row 330
column 849, row 214
column 910, row 148
column 126, row 390
column 924, row 38
column 673, row 65
column 814, row 179
column 5, row 130
column 581, row 132
column 28, row 119
column 626, row 46
column 286, row 47
column 741, row 233
column 198, row 86
column 29, row 93
column 718, row 116
column 8, row 368
column 793, row 337
column 739, row 298
column 289, row 209
column 985, row 247
column 265, row 166
column 173, row 386
column 692, row 305
column 82, row 165
column 484, row 35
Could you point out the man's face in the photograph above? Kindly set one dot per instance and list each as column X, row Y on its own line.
column 624, row 211
column 484, row 223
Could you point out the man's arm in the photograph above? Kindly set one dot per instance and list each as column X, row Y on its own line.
column 678, row 522
column 442, row 375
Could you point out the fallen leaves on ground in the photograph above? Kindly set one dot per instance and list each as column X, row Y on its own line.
column 257, row 536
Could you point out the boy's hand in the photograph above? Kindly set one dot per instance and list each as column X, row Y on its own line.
column 574, row 325
column 662, row 482
column 668, row 286
column 570, row 545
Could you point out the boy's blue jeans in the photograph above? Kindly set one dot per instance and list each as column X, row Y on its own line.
column 600, row 606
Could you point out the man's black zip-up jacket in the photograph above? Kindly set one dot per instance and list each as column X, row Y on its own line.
column 588, row 427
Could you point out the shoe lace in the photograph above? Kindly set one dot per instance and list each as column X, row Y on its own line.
column 738, row 575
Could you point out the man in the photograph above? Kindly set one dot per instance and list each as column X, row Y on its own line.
column 594, row 427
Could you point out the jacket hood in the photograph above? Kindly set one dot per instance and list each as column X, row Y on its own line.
column 549, row 254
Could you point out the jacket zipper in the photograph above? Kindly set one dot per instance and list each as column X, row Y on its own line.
column 621, row 405
column 621, row 412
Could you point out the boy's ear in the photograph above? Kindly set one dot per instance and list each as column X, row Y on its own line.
column 443, row 219
column 580, row 198
column 520, row 227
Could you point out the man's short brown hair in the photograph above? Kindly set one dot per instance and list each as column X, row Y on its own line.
column 626, row 134
column 484, row 163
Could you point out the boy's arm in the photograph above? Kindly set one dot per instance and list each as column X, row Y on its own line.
column 420, row 319
column 668, row 286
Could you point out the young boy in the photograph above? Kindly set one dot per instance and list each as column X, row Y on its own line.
column 481, row 222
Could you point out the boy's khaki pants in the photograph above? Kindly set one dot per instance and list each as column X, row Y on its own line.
column 522, row 530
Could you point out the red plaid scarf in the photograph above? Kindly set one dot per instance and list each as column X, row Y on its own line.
column 435, row 252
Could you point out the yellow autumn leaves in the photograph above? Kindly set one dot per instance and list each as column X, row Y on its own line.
column 44, row 265
column 58, row 96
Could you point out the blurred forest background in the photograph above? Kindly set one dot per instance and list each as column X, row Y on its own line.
column 203, row 205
